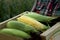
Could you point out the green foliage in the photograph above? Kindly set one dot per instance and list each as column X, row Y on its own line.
column 10, row 8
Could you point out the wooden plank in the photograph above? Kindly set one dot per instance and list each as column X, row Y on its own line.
column 9, row 37
column 51, row 32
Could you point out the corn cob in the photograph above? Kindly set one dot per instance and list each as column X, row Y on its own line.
column 15, row 32
column 34, row 23
column 39, row 17
column 21, row 26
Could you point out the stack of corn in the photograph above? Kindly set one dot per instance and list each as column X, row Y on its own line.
column 33, row 19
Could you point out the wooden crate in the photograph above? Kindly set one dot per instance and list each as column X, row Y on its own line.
column 51, row 34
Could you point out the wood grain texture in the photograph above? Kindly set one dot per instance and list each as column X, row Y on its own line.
column 9, row 37
column 50, row 32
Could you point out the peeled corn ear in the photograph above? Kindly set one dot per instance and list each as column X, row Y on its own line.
column 30, row 21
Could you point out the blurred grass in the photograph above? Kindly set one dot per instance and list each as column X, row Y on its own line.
column 10, row 8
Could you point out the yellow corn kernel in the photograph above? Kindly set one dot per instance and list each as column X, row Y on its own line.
column 32, row 22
